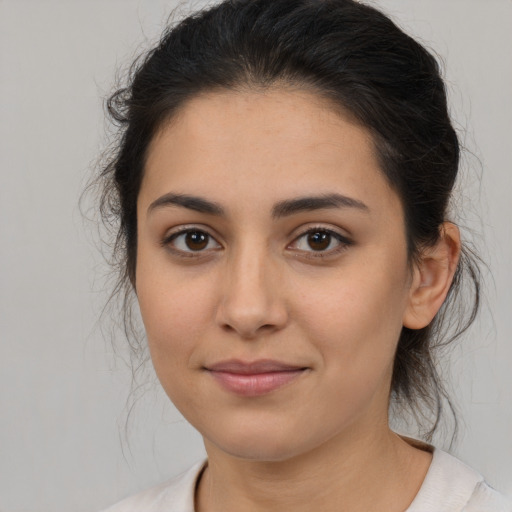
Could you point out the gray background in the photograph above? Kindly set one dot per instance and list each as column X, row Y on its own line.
column 62, row 391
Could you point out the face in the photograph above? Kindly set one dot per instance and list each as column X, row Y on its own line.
column 272, row 272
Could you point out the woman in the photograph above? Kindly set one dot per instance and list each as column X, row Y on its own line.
column 282, row 185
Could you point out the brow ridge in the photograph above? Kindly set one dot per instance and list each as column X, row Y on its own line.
column 281, row 209
column 191, row 202
column 310, row 203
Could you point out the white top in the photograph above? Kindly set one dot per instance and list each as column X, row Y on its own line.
column 450, row 486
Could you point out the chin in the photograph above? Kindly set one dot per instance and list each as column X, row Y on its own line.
column 263, row 451
column 257, row 443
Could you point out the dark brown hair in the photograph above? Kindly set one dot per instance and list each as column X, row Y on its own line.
column 349, row 53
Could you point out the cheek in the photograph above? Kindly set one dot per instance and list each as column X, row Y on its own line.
column 356, row 316
column 175, row 310
column 355, row 327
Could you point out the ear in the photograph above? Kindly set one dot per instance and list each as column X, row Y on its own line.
column 432, row 277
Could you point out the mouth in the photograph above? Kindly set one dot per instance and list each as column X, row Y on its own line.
column 254, row 378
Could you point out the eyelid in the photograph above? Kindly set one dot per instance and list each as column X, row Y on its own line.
column 344, row 241
column 170, row 236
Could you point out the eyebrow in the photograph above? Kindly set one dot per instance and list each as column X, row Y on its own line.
column 281, row 209
column 310, row 203
column 195, row 203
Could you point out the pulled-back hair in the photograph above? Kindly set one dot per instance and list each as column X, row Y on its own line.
column 369, row 69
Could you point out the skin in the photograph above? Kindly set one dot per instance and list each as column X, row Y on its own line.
column 258, row 290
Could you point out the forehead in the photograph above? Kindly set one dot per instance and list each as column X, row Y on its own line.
column 242, row 145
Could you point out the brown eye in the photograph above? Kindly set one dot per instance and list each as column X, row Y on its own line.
column 319, row 240
column 191, row 241
column 196, row 240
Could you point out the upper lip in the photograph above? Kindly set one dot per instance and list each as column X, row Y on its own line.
column 253, row 367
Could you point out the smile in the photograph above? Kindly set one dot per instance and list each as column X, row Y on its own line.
column 256, row 378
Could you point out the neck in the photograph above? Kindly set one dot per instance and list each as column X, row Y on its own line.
column 359, row 471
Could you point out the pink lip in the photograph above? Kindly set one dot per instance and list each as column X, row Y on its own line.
column 254, row 378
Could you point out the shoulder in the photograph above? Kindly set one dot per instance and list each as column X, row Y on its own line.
column 452, row 486
column 487, row 499
column 176, row 495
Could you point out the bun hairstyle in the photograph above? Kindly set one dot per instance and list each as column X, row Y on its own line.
column 367, row 68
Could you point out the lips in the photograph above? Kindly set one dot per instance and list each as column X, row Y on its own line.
column 254, row 378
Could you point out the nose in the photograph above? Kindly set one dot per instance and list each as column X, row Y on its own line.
column 252, row 299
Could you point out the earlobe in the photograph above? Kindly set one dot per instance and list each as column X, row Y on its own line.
column 432, row 277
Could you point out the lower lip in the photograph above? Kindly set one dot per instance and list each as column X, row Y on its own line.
column 255, row 384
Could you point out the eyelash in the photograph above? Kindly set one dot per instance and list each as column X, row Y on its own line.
column 343, row 242
column 167, row 242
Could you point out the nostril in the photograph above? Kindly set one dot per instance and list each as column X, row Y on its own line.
column 250, row 306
